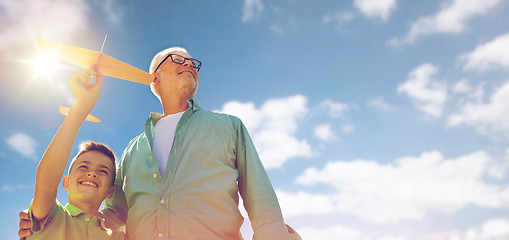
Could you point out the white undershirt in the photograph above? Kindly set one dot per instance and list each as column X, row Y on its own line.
column 164, row 132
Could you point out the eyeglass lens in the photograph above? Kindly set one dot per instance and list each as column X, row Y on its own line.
column 180, row 60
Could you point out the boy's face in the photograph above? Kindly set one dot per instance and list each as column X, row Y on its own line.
column 90, row 179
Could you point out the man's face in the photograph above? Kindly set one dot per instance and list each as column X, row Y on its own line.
column 91, row 178
column 173, row 78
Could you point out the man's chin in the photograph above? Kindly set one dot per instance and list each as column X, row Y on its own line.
column 189, row 84
column 187, row 77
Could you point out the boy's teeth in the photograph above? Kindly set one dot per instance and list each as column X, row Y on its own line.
column 89, row 183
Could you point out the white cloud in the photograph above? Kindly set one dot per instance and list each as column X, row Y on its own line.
column 276, row 29
column 348, row 128
column 252, row 9
column 485, row 117
column 428, row 94
column 338, row 18
column 489, row 55
column 23, row 144
column 451, row 19
column 462, row 86
column 336, row 109
column 14, row 188
column 337, row 232
column 340, row 232
column 113, row 9
column 273, row 127
column 493, row 229
column 379, row 103
column 23, row 20
column 324, row 132
column 407, row 188
column 302, row 203
column 376, row 8
column 390, row 237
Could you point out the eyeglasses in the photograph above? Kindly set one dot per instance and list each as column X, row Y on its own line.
column 181, row 60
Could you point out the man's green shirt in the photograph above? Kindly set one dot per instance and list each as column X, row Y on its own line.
column 211, row 161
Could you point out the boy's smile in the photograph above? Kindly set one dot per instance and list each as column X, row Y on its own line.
column 90, row 178
column 89, row 183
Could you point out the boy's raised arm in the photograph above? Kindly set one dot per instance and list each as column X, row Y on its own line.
column 53, row 162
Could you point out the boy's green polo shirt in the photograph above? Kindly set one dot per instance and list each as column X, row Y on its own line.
column 70, row 222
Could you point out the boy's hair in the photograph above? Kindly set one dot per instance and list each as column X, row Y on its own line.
column 98, row 147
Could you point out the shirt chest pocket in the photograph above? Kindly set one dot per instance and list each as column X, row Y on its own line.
column 141, row 174
column 210, row 148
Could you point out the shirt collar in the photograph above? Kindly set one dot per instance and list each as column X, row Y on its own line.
column 194, row 105
column 75, row 212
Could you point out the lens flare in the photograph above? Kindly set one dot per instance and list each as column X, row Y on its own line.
column 44, row 65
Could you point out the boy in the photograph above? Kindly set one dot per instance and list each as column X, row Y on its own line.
column 90, row 179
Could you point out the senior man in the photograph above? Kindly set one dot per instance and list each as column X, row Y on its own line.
column 180, row 178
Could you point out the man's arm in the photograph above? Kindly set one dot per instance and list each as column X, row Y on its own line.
column 260, row 200
column 117, row 204
column 53, row 162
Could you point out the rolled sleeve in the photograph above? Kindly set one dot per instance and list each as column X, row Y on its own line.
column 39, row 225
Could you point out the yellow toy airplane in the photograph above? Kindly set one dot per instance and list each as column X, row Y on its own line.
column 86, row 58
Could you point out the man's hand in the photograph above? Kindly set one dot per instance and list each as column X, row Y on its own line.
column 25, row 225
column 85, row 90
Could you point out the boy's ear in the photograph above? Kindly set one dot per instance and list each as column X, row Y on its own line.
column 65, row 182
column 110, row 193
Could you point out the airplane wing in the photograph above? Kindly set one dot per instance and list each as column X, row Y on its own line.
column 86, row 58
column 65, row 111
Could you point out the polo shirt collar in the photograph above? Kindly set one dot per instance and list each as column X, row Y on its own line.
column 75, row 212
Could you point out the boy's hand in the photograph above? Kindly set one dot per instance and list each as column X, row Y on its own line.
column 25, row 225
column 85, row 90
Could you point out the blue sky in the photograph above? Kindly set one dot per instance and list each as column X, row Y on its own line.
column 375, row 119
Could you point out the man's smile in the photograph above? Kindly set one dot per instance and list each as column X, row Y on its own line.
column 188, row 71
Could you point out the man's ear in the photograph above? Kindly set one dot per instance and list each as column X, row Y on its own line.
column 110, row 193
column 65, row 183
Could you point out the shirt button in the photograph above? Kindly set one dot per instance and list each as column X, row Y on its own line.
column 155, row 175
column 175, row 151
column 87, row 219
column 162, row 201
column 150, row 157
column 160, row 235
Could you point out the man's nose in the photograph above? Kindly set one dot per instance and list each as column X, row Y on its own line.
column 188, row 62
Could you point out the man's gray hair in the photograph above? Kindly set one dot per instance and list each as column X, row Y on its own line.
column 158, row 58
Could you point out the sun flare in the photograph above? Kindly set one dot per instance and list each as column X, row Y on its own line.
column 44, row 64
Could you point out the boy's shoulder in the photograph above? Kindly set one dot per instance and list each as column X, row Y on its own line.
column 68, row 222
column 56, row 214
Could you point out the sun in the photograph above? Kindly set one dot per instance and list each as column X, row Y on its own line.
column 44, row 65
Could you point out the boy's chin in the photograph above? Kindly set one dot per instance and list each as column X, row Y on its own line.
column 87, row 196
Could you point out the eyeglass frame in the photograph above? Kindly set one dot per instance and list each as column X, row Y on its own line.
column 185, row 59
